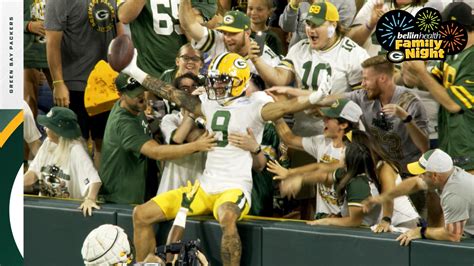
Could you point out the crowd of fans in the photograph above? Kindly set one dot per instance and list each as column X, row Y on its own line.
column 330, row 132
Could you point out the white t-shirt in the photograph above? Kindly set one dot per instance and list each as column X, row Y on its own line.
column 229, row 167
column 71, row 180
column 30, row 131
column 212, row 43
column 403, row 209
column 323, row 151
column 342, row 63
column 177, row 172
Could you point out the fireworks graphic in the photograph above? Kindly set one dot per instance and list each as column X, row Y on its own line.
column 392, row 23
column 454, row 37
column 428, row 19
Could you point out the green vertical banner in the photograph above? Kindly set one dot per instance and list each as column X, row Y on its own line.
column 11, row 132
column 11, row 187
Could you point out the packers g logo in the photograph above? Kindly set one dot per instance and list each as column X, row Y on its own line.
column 315, row 9
column 228, row 19
column 240, row 63
column 335, row 104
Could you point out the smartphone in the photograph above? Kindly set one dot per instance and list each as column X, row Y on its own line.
column 260, row 40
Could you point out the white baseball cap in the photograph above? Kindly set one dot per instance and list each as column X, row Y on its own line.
column 343, row 108
column 435, row 160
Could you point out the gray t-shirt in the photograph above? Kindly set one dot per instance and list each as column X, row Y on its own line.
column 390, row 131
column 457, row 199
column 88, row 27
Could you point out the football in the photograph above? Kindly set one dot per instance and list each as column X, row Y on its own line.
column 120, row 52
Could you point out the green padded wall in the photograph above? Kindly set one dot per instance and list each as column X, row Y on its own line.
column 292, row 243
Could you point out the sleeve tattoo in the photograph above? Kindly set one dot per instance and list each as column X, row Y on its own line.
column 170, row 93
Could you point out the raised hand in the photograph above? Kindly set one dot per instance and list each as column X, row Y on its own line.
column 291, row 186
column 280, row 172
column 395, row 110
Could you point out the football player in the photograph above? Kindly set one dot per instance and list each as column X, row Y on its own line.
column 227, row 180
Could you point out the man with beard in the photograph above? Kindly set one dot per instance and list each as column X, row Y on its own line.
column 392, row 115
column 233, row 35
column 127, row 144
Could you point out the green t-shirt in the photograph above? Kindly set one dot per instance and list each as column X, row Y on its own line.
column 157, row 36
column 262, row 190
column 273, row 41
column 123, row 168
column 456, row 74
column 34, row 45
column 356, row 190
column 169, row 75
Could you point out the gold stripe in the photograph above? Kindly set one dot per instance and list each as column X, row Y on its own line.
column 286, row 64
column 11, row 127
column 271, row 219
column 210, row 40
column 438, row 73
column 466, row 93
column 454, row 90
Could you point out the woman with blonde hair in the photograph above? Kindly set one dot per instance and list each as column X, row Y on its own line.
column 62, row 167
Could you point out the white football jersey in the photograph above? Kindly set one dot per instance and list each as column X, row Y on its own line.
column 339, row 67
column 178, row 171
column 372, row 45
column 342, row 63
column 212, row 43
column 228, row 167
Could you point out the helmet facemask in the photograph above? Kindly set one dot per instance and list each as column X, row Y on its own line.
column 223, row 87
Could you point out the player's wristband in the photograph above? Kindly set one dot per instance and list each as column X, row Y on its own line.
column 180, row 219
column 314, row 97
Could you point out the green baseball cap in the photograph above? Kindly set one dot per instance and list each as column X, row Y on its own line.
column 128, row 85
column 343, row 108
column 208, row 8
column 318, row 13
column 62, row 121
column 234, row 21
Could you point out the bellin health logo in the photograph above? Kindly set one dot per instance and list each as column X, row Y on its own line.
column 422, row 37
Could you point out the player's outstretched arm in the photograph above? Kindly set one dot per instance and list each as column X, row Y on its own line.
column 188, row 21
column 167, row 91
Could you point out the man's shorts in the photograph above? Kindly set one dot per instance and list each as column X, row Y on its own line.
column 203, row 203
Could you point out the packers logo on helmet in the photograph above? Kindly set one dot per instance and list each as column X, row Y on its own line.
column 227, row 78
